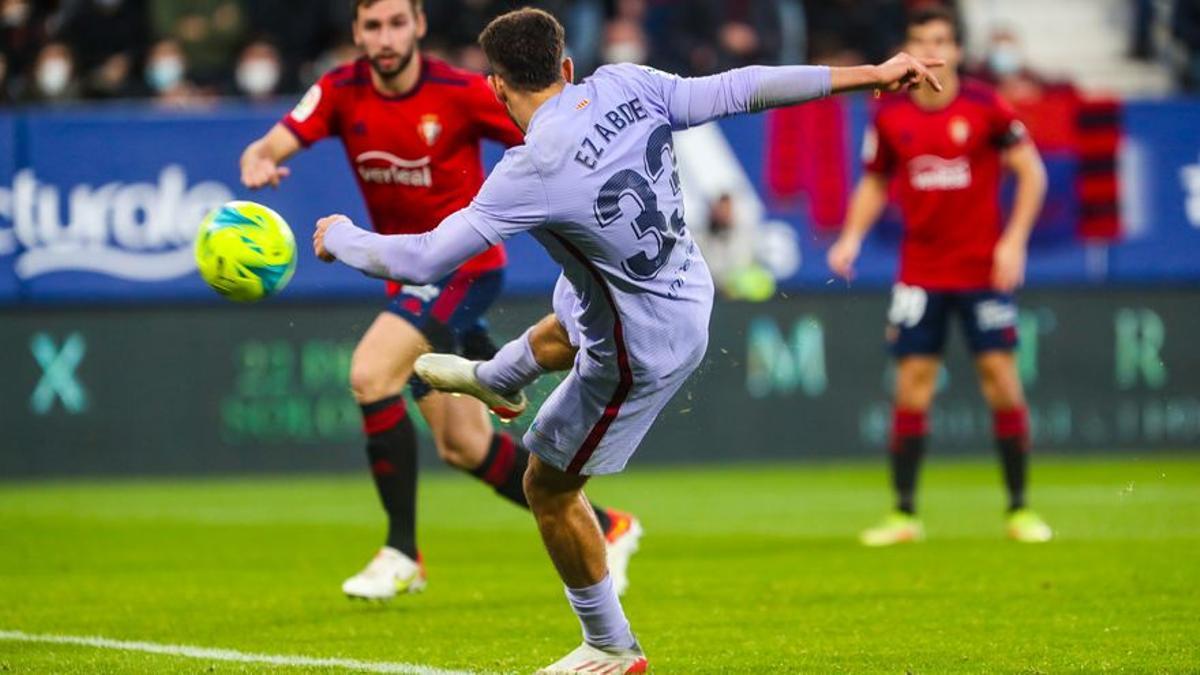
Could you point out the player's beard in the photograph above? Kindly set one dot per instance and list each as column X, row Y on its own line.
column 403, row 61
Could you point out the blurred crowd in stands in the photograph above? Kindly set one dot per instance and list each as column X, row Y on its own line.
column 187, row 51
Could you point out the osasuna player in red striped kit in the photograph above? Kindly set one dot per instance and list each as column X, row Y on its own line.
column 947, row 151
column 411, row 127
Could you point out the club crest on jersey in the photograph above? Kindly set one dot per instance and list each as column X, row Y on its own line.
column 960, row 130
column 430, row 128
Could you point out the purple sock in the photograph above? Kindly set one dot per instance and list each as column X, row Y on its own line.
column 512, row 368
column 600, row 614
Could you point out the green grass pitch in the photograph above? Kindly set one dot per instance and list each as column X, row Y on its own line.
column 749, row 569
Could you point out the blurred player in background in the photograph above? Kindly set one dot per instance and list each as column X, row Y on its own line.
column 596, row 184
column 947, row 151
column 412, row 126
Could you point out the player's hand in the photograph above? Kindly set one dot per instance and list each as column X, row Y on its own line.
column 903, row 72
column 261, row 172
column 1008, row 265
column 842, row 256
column 319, row 236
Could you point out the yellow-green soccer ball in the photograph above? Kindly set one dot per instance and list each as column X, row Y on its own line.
column 245, row 251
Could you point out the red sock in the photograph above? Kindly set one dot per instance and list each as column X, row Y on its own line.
column 1012, row 442
column 910, row 429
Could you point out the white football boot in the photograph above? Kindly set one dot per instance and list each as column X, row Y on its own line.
column 589, row 659
column 455, row 375
column 389, row 573
column 621, row 542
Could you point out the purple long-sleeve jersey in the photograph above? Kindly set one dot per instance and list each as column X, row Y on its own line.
column 596, row 185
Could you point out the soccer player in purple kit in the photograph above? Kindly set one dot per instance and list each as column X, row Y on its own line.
column 595, row 184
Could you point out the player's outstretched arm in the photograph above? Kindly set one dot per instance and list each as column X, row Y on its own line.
column 418, row 259
column 693, row 101
column 261, row 160
column 901, row 72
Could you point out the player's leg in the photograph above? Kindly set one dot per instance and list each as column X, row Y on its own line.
column 379, row 369
column 466, row 440
column 616, row 409
column 462, row 432
column 498, row 381
column 576, row 546
column 916, row 385
column 549, row 345
column 917, row 333
column 545, row 347
column 990, row 322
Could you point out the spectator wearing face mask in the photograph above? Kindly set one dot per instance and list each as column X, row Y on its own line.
column 167, row 77
column 300, row 30
column 1005, row 62
column 1048, row 108
column 108, row 37
column 625, row 42
column 53, row 78
column 259, row 70
column 209, row 31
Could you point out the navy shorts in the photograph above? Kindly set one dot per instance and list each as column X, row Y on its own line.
column 450, row 314
column 919, row 320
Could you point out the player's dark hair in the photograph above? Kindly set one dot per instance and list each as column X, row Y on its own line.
column 932, row 13
column 525, row 47
column 417, row 5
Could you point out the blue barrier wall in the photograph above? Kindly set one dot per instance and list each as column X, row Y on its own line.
column 100, row 205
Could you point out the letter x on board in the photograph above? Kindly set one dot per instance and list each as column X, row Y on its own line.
column 58, row 381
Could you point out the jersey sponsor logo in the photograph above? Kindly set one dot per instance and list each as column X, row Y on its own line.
column 139, row 231
column 960, row 130
column 383, row 168
column 929, row 173
column 995, row 315
column 430, row 128
column 307, row 105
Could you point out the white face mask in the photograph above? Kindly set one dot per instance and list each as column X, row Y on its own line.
column 257, row 77
column 625, row 52
column 15, row 13
column 53, row 76
column 1004, row 61
column 163, row 74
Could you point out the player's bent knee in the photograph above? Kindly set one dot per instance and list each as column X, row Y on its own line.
column 546, row 486
column 369, row 384
column 460, row 455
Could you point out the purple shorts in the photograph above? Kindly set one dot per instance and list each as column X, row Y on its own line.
column 595, row 419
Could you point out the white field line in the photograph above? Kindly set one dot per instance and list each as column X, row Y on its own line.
column 210, row 654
